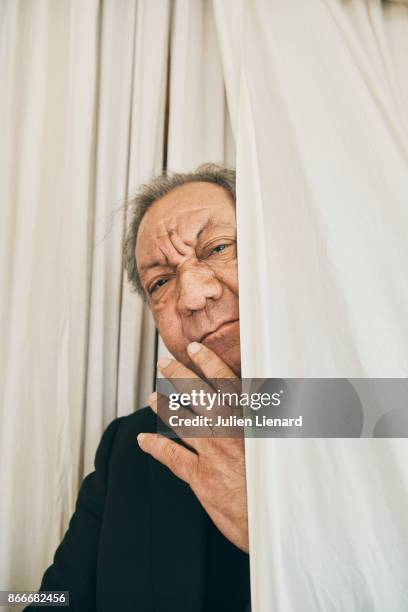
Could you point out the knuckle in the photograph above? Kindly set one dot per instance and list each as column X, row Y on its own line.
column 221, row 372
column 195, row 477
column 171, row 368
column 175, row 370
column 171, row 452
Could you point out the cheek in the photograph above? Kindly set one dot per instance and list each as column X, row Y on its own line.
column 228, row 274
column 171, row 331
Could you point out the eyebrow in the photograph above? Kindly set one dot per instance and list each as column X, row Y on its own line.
column 208, row 226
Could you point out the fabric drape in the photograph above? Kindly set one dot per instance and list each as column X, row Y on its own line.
column 318, row 98
column 100, row 97
column 199, row 128
column 82, row 123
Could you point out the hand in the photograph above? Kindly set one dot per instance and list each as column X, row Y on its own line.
column 214, row 468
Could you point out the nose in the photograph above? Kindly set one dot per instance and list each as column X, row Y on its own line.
column 196, row 283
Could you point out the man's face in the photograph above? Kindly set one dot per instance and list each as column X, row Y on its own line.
column 186, row 254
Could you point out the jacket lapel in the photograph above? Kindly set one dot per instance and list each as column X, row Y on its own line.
column 178, row 552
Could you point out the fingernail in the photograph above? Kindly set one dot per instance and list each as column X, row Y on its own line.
column 163, row 362
column 194, row 347
column 140, row 438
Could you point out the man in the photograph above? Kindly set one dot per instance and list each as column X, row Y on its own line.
column 161, row 524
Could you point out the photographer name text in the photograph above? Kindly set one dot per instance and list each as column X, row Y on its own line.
column 233, row 421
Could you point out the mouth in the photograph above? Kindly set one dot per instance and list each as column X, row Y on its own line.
column 222, row 327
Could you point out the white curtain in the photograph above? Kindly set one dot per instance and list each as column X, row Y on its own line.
column 99, row 96
column 199, row 128
column 82, row 124
column 318, row 93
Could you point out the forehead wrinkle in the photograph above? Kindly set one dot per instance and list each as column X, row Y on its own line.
column 167, row 256
column 210, row 224
column 206, row 225
column 172, row 255
column 163, row 242
column 214, row 224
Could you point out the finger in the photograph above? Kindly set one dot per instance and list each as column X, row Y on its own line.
column 212, row 366
column 160, row 405
column 179, row 460
column 199, row 435
column 171, row 368
column 185, row 381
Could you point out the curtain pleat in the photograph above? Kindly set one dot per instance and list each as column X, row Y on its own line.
column 82, row 124
column 199, row 128
column 319, row 96
column 314, row 102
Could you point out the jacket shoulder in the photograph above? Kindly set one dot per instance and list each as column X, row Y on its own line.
column 143, row 420
column 120, row 433
column 124, row 446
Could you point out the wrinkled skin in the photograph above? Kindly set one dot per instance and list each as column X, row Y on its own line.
column 187, row 260
column 191, row 235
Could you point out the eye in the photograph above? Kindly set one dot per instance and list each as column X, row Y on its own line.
column 157, row 284
column 218, row 248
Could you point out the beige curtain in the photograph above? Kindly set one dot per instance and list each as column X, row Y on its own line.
column 199, row 128
column 319, row 93
column 99, row 96
column 82, row 124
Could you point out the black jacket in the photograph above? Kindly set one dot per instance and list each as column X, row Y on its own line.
column 139, row 540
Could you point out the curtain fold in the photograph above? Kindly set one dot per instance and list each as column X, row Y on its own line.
column 316, row 98
column 199, row 128
column 84, row 119
column 199, row 122
column 129, row 137
column 322, row 187
column 82, row 123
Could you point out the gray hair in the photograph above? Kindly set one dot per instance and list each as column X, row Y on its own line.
column 157, row 188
